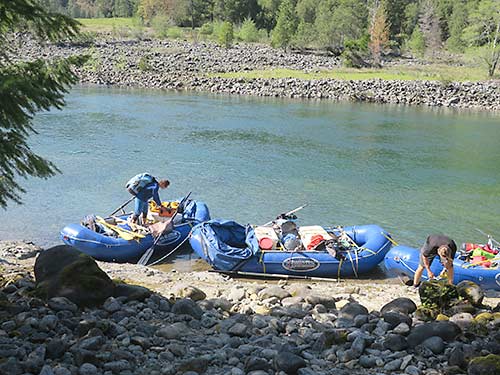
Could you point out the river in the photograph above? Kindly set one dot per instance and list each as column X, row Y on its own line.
column 413, row 171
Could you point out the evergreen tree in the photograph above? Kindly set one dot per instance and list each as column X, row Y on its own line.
column 26, row 88
column 416, row 44
column 379, row 32
column 226, row 34
column 286, row 25
column 458, row 22
column 484, row 33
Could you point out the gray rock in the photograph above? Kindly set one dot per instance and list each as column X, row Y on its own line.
column 173, row 331
column 395, row 342
column 288, row 362
column 111, row 305
column 471, row 292
column 62, row 304
column 393, row 365
column 402, row 329
column 402, row 305
column 117, row 366
column 237, row 293
column 10, row 367
column 87, row 369
column 368, row 361
column 256, row 363
column 61, row 371
column 273, row 291
column 47, row 370
column 188, row 291
column 395, row 318
column 188, row 307
column 485, row 365
column 445, row 329
column 412, row 370
column 133, row 293
column 352, row 309
column 463, row 320
column 238, row 329
column 435, row 344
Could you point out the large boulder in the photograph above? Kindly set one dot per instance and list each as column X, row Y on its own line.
column 488, row 365
column 402, row 305
column 63, row 271
column 470, row 292
column 447, row 330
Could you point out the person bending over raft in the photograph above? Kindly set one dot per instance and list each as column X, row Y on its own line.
column 436, row 245
column 144, row 187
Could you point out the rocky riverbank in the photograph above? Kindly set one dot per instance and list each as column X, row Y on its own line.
column 181, row 65
column 203, row 323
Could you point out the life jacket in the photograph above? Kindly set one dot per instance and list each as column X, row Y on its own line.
column 139, row 182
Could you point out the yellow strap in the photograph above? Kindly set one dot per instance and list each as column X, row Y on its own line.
column 122, row 232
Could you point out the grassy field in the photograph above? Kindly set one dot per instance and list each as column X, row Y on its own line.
column 107, row 24
column 435, row 72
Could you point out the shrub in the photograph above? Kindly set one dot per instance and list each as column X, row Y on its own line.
column 144, row 64
column 249, row 32
column 160, row 25
column 207, row 29
column 416, row 44
column 226, row 35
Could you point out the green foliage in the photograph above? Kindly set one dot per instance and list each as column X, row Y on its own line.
column 456, row 25
column 355, row 52
column 248, row 31
column 160, row 24
column 94, row 61
column 226, row 34
column 416, row 44
column 26, row 88
column 340, row 20
column 438, row 295
column 305, row 35
column 286, row 25
column 143, row 64
column 207, row 28
column 121, row 63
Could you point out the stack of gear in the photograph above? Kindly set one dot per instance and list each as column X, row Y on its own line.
column 288, row 234
column 481, row 255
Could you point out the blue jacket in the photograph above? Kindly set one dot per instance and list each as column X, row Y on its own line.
column 150, row 191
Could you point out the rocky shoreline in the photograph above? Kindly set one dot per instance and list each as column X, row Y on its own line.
column 180, row 65
column 203, row 323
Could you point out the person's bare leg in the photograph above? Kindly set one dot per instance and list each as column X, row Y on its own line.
column 418, row 275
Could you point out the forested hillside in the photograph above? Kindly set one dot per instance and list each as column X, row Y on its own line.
column 356, row 28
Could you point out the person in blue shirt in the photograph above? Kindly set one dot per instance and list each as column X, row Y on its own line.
column 144, row 194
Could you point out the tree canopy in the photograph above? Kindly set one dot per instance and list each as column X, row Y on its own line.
column 27, row 87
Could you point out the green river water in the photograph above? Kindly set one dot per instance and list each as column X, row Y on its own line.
column 413, row 171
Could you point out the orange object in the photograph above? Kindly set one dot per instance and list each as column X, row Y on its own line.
column 265, row 243
column 315, row 241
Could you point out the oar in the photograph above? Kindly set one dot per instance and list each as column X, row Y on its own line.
column 122, row 206
column 490, row 237
column 149, row 252
column 286, row 214
column 272, row 275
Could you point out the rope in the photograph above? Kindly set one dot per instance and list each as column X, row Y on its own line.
column 171, row 252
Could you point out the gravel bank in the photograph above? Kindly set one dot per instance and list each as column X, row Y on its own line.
column 202, row 323
column 181, row 65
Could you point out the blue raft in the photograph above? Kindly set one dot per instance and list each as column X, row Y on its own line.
column 403, row 261
column 116, row 249
column 233, row 248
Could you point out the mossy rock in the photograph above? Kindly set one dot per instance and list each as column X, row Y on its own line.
column 442, row 318
column 471, row 292
column 63, row 271
column 426, row 314
column 488, row 365
column 437, row 294
column 483, row 318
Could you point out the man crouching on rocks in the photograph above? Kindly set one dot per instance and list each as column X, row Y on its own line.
column 436, row 244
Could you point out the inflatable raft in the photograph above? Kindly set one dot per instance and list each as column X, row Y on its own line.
column 319, row 252
column 104, row 244
column 403, row 261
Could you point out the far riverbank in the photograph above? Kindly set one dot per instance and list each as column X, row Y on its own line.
column 182, row 65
